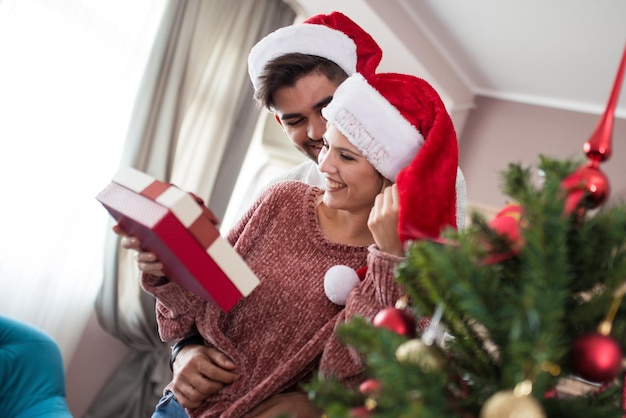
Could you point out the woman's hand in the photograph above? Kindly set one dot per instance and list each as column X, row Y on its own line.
column 147, row 261
column 383, row 221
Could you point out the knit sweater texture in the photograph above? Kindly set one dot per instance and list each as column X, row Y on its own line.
column 284, row 330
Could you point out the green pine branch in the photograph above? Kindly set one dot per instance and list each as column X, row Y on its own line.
column 507, row 321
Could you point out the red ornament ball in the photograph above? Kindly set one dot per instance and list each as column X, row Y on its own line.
column 551, row 394
column 370, row 387
column 596, row 357
column 586, row 182
column 360, row 412
column 397, row 320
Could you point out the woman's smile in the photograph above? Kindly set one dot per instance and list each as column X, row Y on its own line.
column 332, row 185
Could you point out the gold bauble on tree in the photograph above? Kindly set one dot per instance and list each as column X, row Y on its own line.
column 416, row 351
column 507, row 404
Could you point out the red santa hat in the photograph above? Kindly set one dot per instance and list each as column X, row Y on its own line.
column 332, row 36
column 400, row 124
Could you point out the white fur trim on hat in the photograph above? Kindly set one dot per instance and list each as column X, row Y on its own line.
column 374, row 126
column 303, row 38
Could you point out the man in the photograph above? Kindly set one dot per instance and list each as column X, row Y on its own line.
column 313, row 58
column 295, row 72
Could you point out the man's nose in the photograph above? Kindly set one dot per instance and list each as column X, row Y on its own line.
column 317, row 127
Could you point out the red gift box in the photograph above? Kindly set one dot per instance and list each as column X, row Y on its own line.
column 173, row 225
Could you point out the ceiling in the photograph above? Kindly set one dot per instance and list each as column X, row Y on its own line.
column 557, row 53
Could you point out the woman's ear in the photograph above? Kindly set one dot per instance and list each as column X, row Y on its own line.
column 386, row 183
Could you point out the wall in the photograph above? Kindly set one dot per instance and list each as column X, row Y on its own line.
column 498, row 132
column 97, row 356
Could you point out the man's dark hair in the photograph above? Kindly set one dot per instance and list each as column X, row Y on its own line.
column 287, row 69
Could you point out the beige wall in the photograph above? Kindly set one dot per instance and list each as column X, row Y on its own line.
column 97, row 356
column 499, row 132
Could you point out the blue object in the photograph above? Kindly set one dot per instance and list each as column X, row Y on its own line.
column 169, row 407
column 31, row 372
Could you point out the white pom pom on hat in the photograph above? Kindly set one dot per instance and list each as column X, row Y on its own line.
column 339, row 281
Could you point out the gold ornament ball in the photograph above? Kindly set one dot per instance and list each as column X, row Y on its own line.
column 415, row 351
column 506, row 404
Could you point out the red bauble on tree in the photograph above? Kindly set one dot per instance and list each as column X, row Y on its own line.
column 397, row 320
column 360, row 412
column 588, row 185
column 370, row 387
column 507, row 223
column 596, row 357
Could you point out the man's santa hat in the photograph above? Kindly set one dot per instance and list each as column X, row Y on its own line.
column 332, row 36
column 400, row 124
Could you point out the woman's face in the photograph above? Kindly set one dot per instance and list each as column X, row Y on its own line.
column 352, row 183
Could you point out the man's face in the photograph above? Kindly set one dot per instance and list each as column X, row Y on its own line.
column 299, row 111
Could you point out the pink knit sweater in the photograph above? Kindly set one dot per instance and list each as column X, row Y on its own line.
column 284, row 329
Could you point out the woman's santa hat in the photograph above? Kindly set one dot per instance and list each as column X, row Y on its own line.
column 400, row 124
column 332, row 36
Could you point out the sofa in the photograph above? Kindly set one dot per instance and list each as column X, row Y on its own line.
column 31, row 372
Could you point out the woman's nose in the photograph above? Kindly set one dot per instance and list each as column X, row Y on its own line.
column 324, row 162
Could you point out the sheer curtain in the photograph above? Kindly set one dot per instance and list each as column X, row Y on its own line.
column 192, row 123
column 69, row 72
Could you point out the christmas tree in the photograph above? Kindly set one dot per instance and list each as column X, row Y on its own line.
column 525, row 311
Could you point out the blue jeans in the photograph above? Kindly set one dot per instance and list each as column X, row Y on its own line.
column 168, row 407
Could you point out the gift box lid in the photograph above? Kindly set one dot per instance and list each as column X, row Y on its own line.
column 181, row 231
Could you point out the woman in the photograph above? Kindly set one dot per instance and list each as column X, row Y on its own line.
column 383, row 129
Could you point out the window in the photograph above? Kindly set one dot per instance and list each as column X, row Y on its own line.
column 69, row 73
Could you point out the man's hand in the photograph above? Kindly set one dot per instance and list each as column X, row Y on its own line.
column 200, row 372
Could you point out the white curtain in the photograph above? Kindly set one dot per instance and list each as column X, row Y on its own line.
column 69, row 73
column 192, row 123
column 220, row 113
